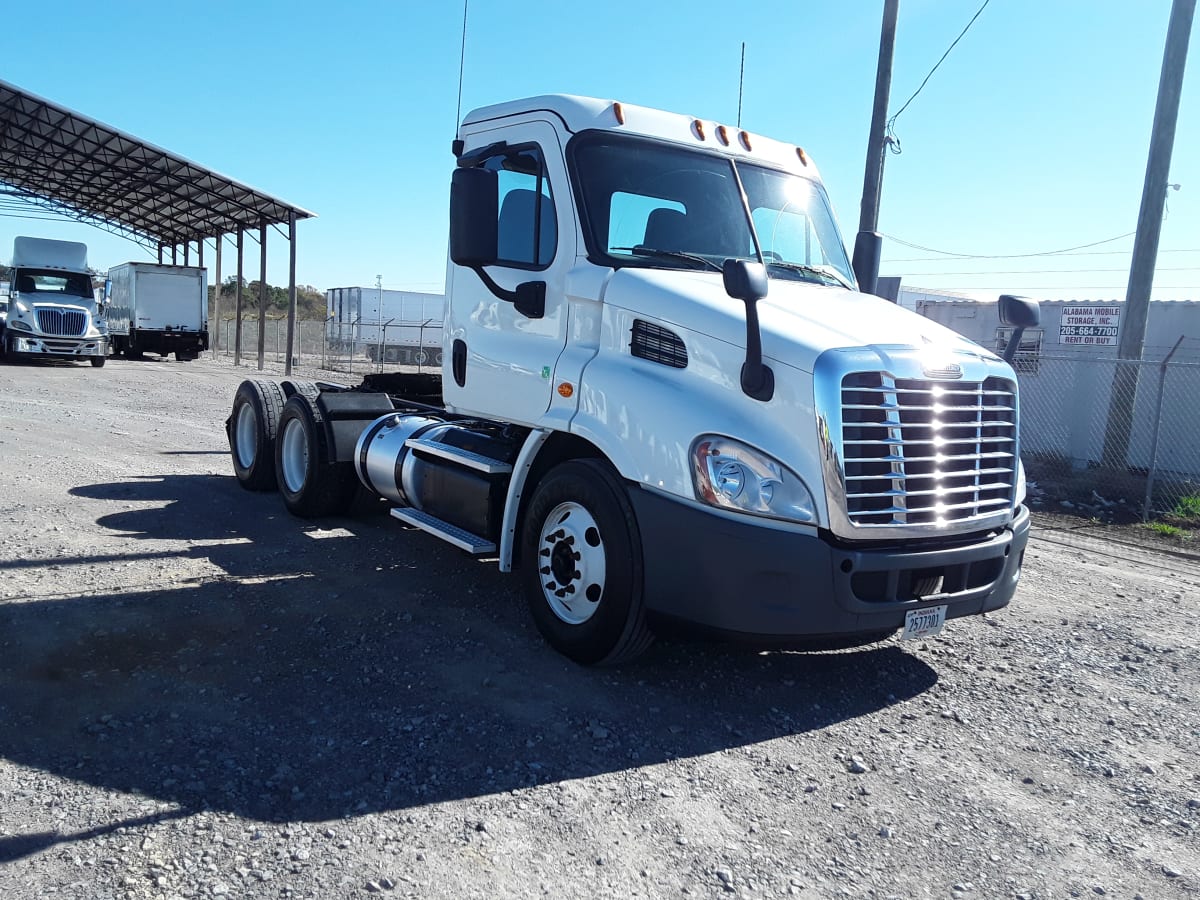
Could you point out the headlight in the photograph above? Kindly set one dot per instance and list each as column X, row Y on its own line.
column 731, row 475
column 18, row 325
column 1021, row 487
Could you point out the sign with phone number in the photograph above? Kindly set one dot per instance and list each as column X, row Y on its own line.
column 1095, row 327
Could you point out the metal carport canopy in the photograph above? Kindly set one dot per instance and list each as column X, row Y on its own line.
column 66, row 162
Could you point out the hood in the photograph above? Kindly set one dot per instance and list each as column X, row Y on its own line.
column 799, row 320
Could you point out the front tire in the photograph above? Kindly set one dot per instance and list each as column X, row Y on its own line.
column 311, row 485
column 582, row 565
column 98, row 361
column 252, row 427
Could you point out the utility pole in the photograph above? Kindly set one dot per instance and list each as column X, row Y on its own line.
column 868, row 244
column 1149, row 228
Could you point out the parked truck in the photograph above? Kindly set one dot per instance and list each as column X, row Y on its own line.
column 52, row 308
column 663, row 401
column 390, row 326
column 156, row 308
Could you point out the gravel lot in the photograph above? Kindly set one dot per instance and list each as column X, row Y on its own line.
column 201, row 696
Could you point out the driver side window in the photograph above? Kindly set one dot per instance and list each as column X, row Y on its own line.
column 527, row 228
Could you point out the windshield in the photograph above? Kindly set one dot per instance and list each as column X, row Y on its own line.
column 652, row 204
column 50, row 281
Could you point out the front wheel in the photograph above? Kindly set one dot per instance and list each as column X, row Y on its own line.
column 251, row 428
column 582, row 565
column 98, row 361
column 311, row 485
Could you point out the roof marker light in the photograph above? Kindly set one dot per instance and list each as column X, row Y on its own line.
column 745, row 139
column 619, row 113
column 699, row 128
column 723, row 134
column 803, row 156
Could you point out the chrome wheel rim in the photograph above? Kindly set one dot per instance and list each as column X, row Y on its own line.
column 572, row 563
column 293, row 456
column 246, row 436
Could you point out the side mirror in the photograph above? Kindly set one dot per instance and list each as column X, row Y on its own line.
column 474, row 211
column 747, row 281
column 1020, row 313
column 744, row 280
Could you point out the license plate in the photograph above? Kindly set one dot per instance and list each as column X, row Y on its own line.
column 923, row 623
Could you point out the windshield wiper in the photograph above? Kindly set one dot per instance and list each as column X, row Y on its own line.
column 827, row 272
column 670, row 254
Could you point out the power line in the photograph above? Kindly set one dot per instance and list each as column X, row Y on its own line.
column 1006, row 255
column 892, row 140
column 1052, row 271
column 1085, row 253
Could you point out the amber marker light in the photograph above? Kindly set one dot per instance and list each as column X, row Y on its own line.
column 745, row 139
column 619, row 112
column 699, row 128
column 803, row 156
column 723, row 135
column 566, row 389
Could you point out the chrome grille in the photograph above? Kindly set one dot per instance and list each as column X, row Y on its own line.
column 920, row 452
column 64, row 322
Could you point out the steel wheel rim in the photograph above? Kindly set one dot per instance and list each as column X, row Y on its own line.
column 246, row 436
column 571, row 563
column 293, row 456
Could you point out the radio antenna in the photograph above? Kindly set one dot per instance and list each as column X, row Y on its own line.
column 741, row 81
column 462, row 57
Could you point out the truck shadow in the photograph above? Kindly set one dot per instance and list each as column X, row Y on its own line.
column 319, row 673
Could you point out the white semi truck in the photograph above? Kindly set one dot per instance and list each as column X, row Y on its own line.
column 53, row 311
column 155, row 308
column 663, row 401
column 387, row 325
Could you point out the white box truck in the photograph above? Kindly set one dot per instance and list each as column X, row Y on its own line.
column 52, row 308
column 664, row 402
column 155, row 308
column 392, row 326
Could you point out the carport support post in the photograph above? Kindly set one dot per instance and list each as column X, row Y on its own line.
column 215, row 334
column 237, row 330
column 160, row 246
column 174, row 254
column 287, row 368
column 187, row 246
column 262, row 295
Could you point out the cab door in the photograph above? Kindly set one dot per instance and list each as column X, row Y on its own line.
column 500, row 360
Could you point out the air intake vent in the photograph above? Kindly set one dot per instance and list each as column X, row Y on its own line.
column 658, row 345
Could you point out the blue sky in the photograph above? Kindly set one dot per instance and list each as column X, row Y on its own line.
column 1031, row 137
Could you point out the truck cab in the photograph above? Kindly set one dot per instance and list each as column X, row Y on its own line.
column 686, row 412
column 53, row 310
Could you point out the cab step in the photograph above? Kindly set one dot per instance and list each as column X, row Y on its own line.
column 451, row 534
column 457, row 454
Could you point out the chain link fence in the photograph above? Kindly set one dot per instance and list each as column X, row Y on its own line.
column 1074, row 459
column 325, row 345
column 1112, row 438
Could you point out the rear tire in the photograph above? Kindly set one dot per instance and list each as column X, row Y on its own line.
column 311, row 485
column 582, row 565
column 251, row 428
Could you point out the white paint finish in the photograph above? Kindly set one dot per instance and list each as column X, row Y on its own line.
column 154, row 297
column 511, row 359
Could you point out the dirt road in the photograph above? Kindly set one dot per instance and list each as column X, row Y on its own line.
column 201, row 696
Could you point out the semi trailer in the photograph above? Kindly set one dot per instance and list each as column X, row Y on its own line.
column 53, row 311
column 156, row 308
column 664, row 402
column 388, row 326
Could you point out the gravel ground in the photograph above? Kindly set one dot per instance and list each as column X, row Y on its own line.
column 201, row 696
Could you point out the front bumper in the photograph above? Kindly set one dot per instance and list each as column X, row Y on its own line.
column 72, row 348
column 754, row 581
